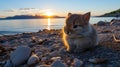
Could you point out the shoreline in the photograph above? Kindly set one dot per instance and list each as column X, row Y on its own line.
column 48, row 46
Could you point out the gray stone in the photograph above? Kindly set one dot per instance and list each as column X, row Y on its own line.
column 8, row 64
column 58, row 63
column 44, row 59
column 97, row 60
column 77, row 63
column 101, row 23
column 20, row 55
column 33, row 60
column 54, row 54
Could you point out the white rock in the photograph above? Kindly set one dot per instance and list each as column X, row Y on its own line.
column 58, row 63
column 33, row 60
column 55, row 58
column 20, row 55
column 77, row 63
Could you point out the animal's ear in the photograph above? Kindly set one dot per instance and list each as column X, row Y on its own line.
column 87, row 16
column 69, row 14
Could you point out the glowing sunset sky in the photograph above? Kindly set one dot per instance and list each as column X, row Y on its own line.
column 57, row 7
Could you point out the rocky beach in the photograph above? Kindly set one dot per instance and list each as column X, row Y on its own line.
column 46, row 49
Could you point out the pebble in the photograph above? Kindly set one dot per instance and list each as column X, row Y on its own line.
column 33, row 60
column 101, row 23
column 97, row 60
column 54, row 53
column 44, row 59
column 58, row 63
column 43, row 49
column 77, row 63
column 55, row 58
column 20, row 55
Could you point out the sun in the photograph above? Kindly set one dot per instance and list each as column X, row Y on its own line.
column 49, row 13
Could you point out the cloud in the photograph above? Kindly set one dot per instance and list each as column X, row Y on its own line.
column 20, row 10
column 10, row 10
column 27, row 8
column 29, row 11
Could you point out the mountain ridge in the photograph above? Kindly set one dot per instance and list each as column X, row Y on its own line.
column 112, row 13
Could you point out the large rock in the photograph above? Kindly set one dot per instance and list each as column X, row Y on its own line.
column 33, row 60
column 101, row 23
column 20, row 55
column 58, row 63
column 115, row 22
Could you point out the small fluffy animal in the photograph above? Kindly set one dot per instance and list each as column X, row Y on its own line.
column 78, row 34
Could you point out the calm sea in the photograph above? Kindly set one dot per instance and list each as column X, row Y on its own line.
column 33, row 25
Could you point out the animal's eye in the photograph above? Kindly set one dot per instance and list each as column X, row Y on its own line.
column 75, row 26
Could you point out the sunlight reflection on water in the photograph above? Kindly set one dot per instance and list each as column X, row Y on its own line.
column 49, row 24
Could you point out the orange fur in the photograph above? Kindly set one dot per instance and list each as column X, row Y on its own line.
column 78, row 34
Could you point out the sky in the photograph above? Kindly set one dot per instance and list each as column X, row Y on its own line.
column 57, row 7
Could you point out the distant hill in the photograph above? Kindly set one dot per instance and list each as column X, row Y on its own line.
column 112, row 14
column 28, row 17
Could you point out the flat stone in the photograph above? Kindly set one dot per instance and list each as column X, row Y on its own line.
column 20, row 55
column 55, row 58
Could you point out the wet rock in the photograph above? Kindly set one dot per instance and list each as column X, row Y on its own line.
column 33, row 60
column 20, row 55
column 77, row 63
column 58, row 63
column 8, row 64
column 101, row 23
column 97, row 60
